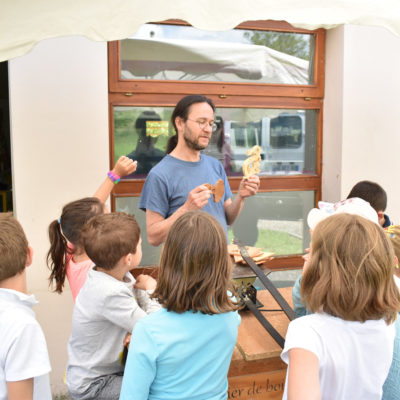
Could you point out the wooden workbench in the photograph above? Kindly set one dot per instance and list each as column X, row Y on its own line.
column 257, row 371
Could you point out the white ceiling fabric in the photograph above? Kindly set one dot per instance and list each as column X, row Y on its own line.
column 23, row 23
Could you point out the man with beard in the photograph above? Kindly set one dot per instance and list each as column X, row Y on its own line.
column 177, row 183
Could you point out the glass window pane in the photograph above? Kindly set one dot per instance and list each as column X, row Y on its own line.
column 141, row 133
column 172, row 52
column 130, row 205
column 288, row 138
column 275, row 222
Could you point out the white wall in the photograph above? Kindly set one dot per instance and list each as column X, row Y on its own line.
column 333, row 116
column 362, row 112
column 59, row 124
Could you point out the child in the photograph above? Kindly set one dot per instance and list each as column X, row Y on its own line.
column 354, row 206
column 106, row 308
column 375, row 195
column 24, row 361
column 393, row 232
column 344, row 350
column 66, row 256
column 391, row 388
column 184, row 351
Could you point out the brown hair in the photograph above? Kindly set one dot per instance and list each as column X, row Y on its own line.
column 13, row 247
column 195, row 268
column 371, row 192
column 350, row 272
column 109, row 237
column 68, row 229
column 182, row 110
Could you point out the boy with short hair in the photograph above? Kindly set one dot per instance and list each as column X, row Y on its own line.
column 106, row 308
column 24, row 360
column 375, row 195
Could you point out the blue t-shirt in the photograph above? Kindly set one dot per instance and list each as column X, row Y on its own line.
column 180, row 356
column 168, row 185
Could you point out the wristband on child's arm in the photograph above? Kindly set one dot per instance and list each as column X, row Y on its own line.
column 114, row 177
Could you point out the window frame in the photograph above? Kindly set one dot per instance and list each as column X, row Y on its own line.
column 139, row 93
column 136, row 86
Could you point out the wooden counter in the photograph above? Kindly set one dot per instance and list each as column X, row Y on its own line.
column 257, row 371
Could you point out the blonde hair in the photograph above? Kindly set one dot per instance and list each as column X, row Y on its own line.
column 393, row 233
column 195, row 268
column 350, row 272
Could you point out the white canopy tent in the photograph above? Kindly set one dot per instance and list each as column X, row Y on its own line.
column 23, row 23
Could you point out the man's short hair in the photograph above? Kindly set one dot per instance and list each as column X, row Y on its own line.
column 13, row 247
column 109, row 237
column 371, row 192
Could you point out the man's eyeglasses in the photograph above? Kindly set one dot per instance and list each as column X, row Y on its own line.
column 203, row 123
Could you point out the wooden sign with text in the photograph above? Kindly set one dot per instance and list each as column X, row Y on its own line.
column 265, row 386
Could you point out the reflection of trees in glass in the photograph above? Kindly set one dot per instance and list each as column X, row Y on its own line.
column 125, row 132
column 294, row 44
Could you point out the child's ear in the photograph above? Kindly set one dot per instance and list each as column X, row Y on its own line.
column 381, row 217
column 396, row 262
column 29, row 256
column 127, row 259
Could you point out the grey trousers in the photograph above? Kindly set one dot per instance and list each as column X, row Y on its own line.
column 106, row 387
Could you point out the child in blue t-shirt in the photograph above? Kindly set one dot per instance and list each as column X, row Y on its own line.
column 184, row 350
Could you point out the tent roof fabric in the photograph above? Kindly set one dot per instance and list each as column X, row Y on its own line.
column 23, row 23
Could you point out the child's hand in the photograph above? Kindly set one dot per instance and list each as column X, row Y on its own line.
column 145, row 282
column 306, row 257
column 124, row 166
column 127, row 339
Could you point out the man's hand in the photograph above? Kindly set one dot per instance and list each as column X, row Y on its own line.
column 145, row 282
column 197, row 198
column 249, row 187
column 124, row 166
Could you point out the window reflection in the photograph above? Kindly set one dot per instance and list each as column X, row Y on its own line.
column 146, row 153
column 173, row 52
column 286, row 131
column 287, row 147
column 275, row 222
column 288, row 138
column 141, row 133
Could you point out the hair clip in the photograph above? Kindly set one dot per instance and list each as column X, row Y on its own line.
column 59, row 220
column 390, row 230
